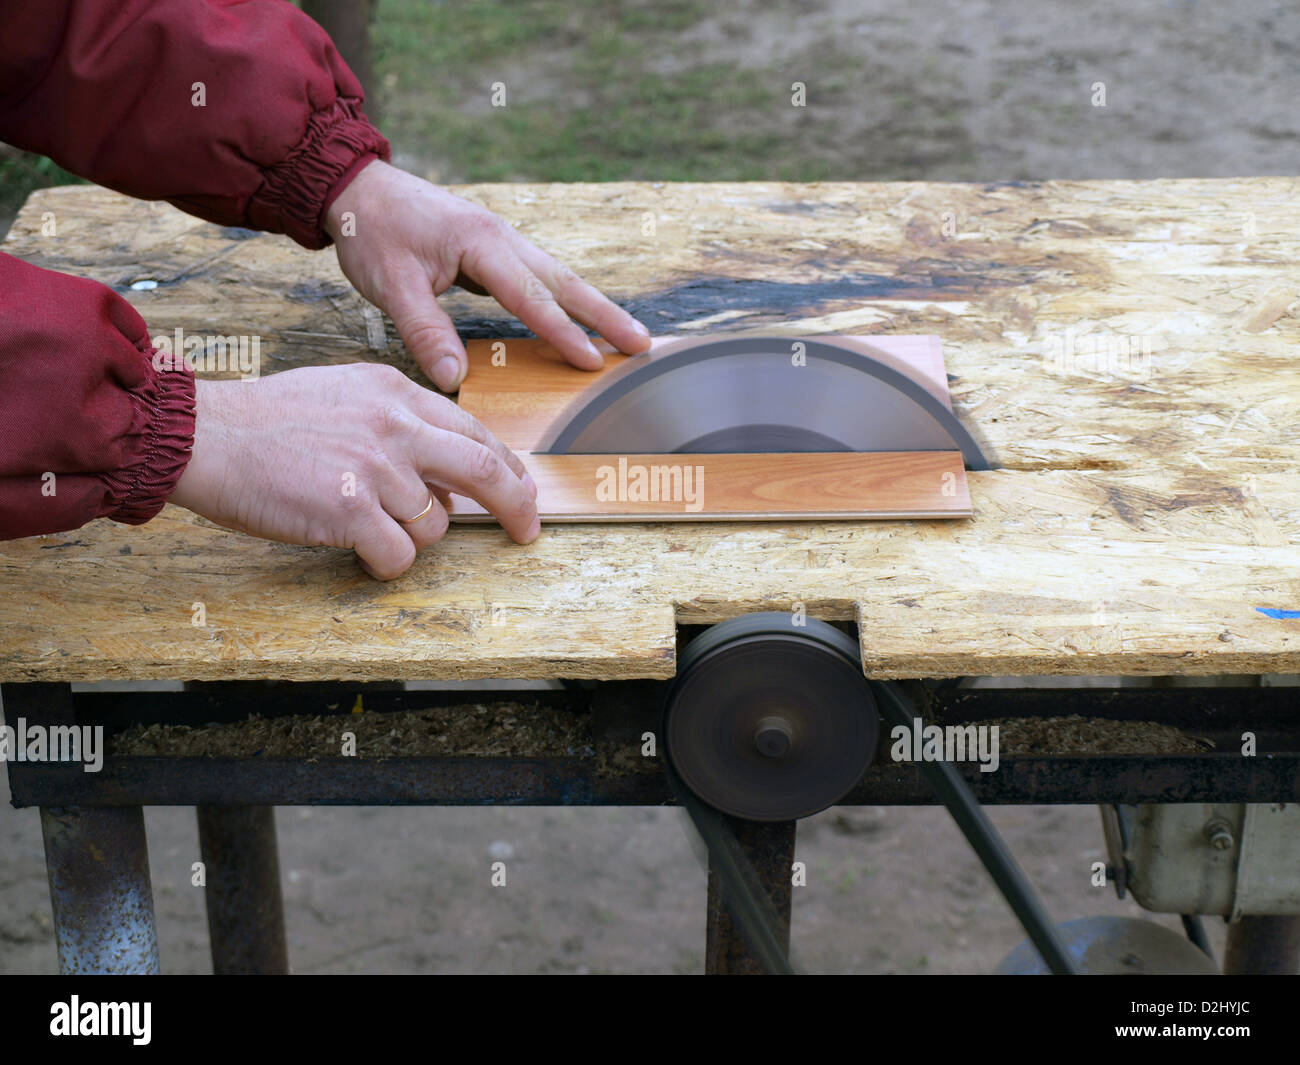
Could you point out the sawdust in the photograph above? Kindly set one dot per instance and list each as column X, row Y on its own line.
column 1091, row 735
column 616, row 761
column 533, row 730
column 504, row 729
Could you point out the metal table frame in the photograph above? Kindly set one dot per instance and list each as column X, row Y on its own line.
column 97, row 856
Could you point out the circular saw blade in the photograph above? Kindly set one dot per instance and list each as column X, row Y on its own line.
column 751, row 394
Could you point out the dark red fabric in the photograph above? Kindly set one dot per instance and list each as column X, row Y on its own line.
column 80, row 399
column 107, row 88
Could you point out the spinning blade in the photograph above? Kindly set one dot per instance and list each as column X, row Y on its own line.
column 759, row 394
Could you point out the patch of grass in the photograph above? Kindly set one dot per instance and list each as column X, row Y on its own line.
column 20, row 174
column 441, row 37
column 613, row 114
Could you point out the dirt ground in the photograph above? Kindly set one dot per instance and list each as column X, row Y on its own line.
column 890, row 890
column 963, row 91
column 941, row 90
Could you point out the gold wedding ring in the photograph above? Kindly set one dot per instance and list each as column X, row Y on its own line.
column 427, row 507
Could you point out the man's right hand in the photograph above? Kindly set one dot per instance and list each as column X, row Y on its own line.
column 341, row 456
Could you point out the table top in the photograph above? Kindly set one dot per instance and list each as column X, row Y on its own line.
column 1125, row 349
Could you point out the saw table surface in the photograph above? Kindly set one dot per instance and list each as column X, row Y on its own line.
column 1126, row 350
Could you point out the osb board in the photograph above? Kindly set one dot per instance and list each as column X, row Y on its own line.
column 1148, row 505
column 522, row 391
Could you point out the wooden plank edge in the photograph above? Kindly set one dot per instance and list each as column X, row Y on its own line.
column 753, row 487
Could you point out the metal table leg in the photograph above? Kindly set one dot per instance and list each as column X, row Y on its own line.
column 1268, row 946
column 98, row 865
column 245, row 906
column 770, row 850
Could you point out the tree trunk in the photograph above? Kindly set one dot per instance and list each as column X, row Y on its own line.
column 348, row 24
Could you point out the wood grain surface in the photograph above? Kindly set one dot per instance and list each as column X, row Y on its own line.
column 522, row 391
column 1126, row 348
column 795, row 487
column 521, row 388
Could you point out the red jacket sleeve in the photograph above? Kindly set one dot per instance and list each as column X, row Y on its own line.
column 89, row 427
column 238, row 111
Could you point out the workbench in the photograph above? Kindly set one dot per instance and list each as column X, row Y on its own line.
column 1124, row 349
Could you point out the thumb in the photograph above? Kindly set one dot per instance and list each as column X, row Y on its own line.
column 428, row 332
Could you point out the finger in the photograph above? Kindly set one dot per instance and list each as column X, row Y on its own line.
column 441, row 412
column 383, row 547
column 585, row 302
column 471, row 469
column 411, row 498
column 427, row 331
column 496, row 266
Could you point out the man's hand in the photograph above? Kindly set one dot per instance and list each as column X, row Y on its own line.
column 413, row 240
column 343, row 456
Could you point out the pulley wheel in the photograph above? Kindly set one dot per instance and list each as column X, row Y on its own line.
column 769, row 721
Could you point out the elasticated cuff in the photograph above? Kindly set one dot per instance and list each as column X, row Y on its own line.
column 296, row 193
column 166, row 407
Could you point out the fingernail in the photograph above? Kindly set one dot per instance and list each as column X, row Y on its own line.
column 530, row 484
column 591, row 350
column 534, row 530
column 446, row 373
column 639, row 328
